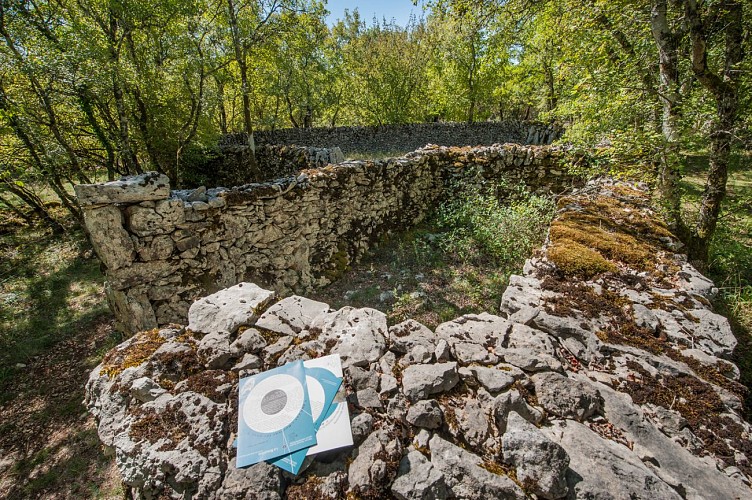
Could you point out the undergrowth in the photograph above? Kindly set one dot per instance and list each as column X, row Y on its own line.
column 456, row 262
column 479, row 226
column 50, row 288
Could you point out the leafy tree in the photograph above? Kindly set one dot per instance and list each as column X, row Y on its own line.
column 386, row 69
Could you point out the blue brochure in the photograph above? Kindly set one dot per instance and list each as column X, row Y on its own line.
column 274, row 415
column 322, row 385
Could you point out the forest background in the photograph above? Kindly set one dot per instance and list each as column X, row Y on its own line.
column 93, row 88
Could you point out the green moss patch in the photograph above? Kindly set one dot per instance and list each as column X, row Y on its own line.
column 138, row 351
column 575, row 259
column 594, row 235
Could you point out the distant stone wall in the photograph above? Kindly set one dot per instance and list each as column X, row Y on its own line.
column 408, row 137
column 230, row 165
column 162, row 250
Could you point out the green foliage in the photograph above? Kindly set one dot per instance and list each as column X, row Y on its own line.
column 479, row 226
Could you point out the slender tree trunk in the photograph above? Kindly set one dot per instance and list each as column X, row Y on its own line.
column 13, row 208
column 44, row 99
column 715, row 187
column 290, row 113
column 126, row 150
column 35, row 204
column 670, row 98
column 222, row 108
column 723, row 85
column 240, row 59
column 142, row 121
column 84, row 100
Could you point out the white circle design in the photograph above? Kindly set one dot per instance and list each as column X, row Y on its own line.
column 317, row 396
column 253, row 414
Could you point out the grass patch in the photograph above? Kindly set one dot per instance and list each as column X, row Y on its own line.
column 457, row 262
column 50, row 288
column 730, row 264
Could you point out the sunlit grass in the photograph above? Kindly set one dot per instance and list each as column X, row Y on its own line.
column 457, row 262
column 730, row 264
column 50, row 287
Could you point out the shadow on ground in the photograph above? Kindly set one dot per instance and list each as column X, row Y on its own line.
column 54, row 328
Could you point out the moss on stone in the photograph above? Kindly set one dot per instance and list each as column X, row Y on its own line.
column 134, row 354
column 575, row 259
column 594, row 234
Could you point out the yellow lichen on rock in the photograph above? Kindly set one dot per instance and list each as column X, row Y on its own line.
column 138, row 351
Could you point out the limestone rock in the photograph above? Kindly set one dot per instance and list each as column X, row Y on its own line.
column 601, row 468
column 475, row 338
column 361, row 426
column 361, row 378
column 291, row 315
column 228, row 309
column 405, row 336
column 567, row 397
column 264, row 480
column 248, row 342
column 541, row 464
column 473, row 422
column 111, row 242
column 214, row 350
column 367, row 398
column 418, row 479
column 108, row 237
column 421, row 381
column 512, row 401
column 530, row 350
column 368, row 470
column 493, row 379
column 693, row 281
column 465, row 476
column 163, row 218
column 426, row 414
column 131, row 189
column 145, row 389
column 174, row 456
column 357, row 334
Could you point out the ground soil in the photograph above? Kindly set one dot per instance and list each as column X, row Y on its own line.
column 49, row 446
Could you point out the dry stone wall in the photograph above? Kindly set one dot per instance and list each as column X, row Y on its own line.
column 590, row 382
column 161, row 250
column 408, row 137
column 231, row 165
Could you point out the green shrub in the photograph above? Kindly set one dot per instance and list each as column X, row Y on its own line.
column 480, row 226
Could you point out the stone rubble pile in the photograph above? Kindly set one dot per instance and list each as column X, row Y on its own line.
column 548, row 399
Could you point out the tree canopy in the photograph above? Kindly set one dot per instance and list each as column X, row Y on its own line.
column 94, row 88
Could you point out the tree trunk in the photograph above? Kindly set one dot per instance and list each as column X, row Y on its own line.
column 142, row 120
column 36, row 205
column 723, row 85
column 240, row 59
column 126, row 151
column 13, row 208
column 222, row 109
column 84, row 100
column 715, row 187
column 670, row 99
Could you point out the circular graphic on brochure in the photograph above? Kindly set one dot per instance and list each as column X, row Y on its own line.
column 316, row 395
column 273, row 404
